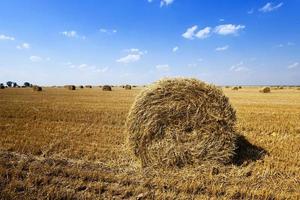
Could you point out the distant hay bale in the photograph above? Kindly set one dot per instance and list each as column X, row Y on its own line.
column 178, row 122
column 88, row 86
column 265, row 90
column 70, row 87
column 37, row 88
column 235, row 88
column 127, row 87
column 81, row 86
column 240, row 87
column 106, row 88
column 281, row 87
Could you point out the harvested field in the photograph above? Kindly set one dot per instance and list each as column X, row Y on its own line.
column 71, row 145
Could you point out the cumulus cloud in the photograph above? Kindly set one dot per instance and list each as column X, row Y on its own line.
column 224, row 29
column 190, row 32
column 86, row 67
column 228, row 29
column 102, row 70
column 204, row 33
column 136, row 51
column 35, row 58
column 223, row 48
column 175, row 49
column 165, row 2
column 293, row 65
column 6, row 37
column 250, row 11
column 72, row 34
column 239, row 67
column 269, row 7
column 163, row 68
column 133, row 56
column 108, row 31
column 129, row 58
column 23, row 46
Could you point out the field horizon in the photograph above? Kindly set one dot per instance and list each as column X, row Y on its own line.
column 71, row 144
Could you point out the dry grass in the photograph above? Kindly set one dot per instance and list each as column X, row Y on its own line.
column 69, row 145
column 178, row 122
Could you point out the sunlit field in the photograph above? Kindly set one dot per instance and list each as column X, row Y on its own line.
column 63, row 144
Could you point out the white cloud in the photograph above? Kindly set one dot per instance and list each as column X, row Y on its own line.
column 35, row 58
column 280, row 45
column 221, row 20
column 108, row 31
column 204, row 33
column 190, row 32
column 72, row 34
column 149, row 1
column 134, row 55
column 227, row 29
column 166, row 2
column 164, row 67
column 86, row 67
column 23, row 46
column 250, row 11
column 129, row 58
column 102, row 70
column 136, row 51
column 223, row 48
column 175, row 49
column 269, row 7
column 294, row 65
column 81, row 66
column 239, row 67
column 6, row 37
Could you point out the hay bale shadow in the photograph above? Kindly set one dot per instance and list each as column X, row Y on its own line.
column 247, row 152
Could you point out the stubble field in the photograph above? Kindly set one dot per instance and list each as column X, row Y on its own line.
column 62, row 144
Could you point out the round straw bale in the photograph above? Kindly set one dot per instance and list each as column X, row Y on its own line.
column 37, row 88
column 106, row 88
column 88, row 86
column 127, row 87
column 235, row 88
column 175, row 122
column 265, row 90
column 70, row 87
column 80, row 86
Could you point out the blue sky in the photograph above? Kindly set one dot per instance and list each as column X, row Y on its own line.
column 55, row 42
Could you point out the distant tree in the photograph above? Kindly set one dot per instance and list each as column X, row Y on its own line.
column 27, row 84
column 15, row 84
column 2, row 86
column 9, row 83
